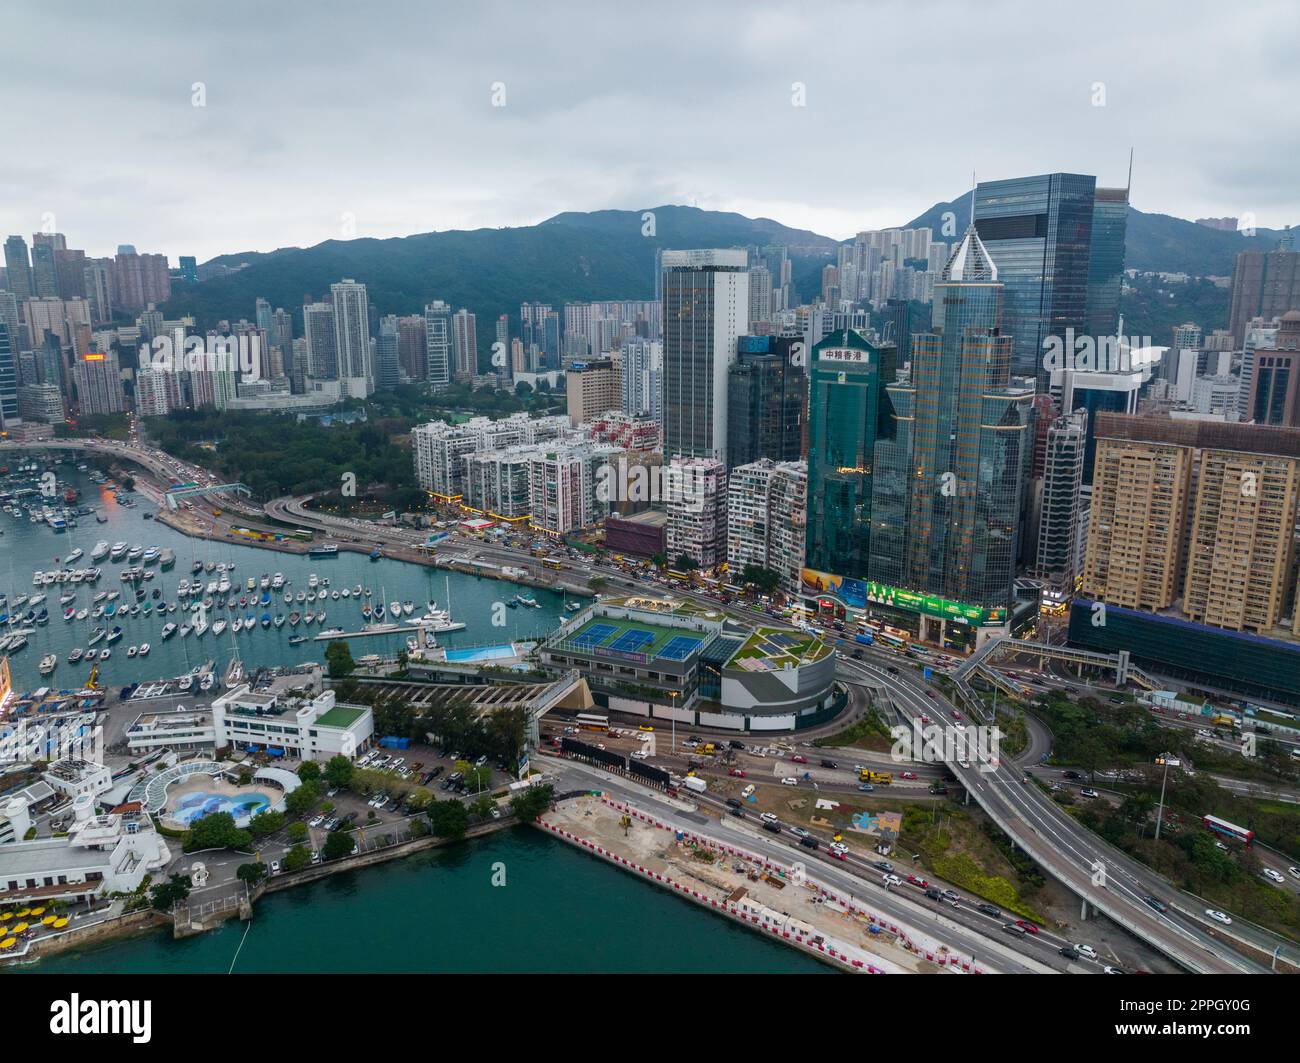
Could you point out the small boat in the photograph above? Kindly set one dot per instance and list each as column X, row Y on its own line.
column 69, row 613
column 200, row 626
column 105, row 654
column 169, row 629
column 295, row 639
column 115, row 634
column 76, row 655
column 320, row 617
column 48, row 663
column 346, row 593
column 237, row 625
column 185, row 630
column 266, row 620
column 131, row 651
column 334, row 595
column 144, row 649
column 218, row 627
column 279, row 620
column 208, row 681
column 376, row 554
column 294, row 617
column 309, row 617
column 251, row 583
column 92, row 655
column 97, row 634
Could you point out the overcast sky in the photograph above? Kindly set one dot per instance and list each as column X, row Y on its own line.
column 383, row 113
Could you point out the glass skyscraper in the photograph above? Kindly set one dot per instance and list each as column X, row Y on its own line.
column 1106, row 265
column 1039, row 232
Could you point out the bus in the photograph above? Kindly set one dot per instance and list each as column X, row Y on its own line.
column 890, row 639
column 1228, row 830
column 589, row 721
column 552, row 562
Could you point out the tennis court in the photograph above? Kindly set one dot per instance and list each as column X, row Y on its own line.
column 593, row 635
column 642, row 639
column 680, row 647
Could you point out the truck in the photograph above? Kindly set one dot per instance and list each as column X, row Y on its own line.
column 884, row 778
column 694, row 782
column 864, row 638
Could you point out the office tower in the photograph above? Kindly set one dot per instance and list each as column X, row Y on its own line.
column 1038, row 233
column 1195, row 510
column 642, row 385
column 438, row 344
column 46, row 316
column 298, row 367
column 262, row 315
column 18, row 270
column 411, row 342
column 386, row 361
column 97, row 378
column 9, row 411
column 10, row 316
column 696, row 490
column 322, row 344
column 464, row 335
column 281, row 334
column 98, row 285
column 1108, row 390
column 189, row 269
column 767, row 398
column 45, row 273
column 352, row 334
column 1057, row 550
column 593, row 388
column 847, row 414
column 767, row 519
column 503, row 338
column 39, row 402
column 1106, row 259
column 705, row 310
column 533, row 319
column 1274, row 395
column 760, row 295
column 972, row 443
column 1264, row 284
column 896, row 328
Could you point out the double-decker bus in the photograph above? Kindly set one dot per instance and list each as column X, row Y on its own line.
column 552, row 562
column 590, row 721
column 1228, row 830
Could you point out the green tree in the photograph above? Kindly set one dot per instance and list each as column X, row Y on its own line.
column 296, row 858
column 448, row 819
column 338, row 844
column 685, row 563
column 167, row 895
column 216, row 830
column 338, row 771
column 309, row 771
column 251, row 873
column 303, row 799
column 763, row 578
column 264, row 824
column 482, row 807
column 297, row 832
column 531, row 803
column 339, row 658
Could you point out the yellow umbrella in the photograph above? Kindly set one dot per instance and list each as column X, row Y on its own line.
column 25, row 911
column 49, row 920
column 6, row 915
column 60, row 923
column 38, row 911
column 8, row 943
column 19, row 928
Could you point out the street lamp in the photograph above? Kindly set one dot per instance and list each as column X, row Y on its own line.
column 1168, row 760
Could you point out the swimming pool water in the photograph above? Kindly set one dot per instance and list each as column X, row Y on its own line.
column 195, row 805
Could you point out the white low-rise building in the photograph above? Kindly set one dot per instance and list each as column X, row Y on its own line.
column 287, row 724
column 180, row 730
column 72, row 777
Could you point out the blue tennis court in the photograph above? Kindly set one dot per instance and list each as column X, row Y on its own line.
column 632, row 640
column 594, row 636
column 679, row 647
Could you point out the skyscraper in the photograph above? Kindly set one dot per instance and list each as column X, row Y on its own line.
column 18, row 267
column 1264, row 284
column 767, row 397
column 1057, row 553
column 352, row 334
column 322, row 345
column 386, row 365
column 8, row 378
column 1274, row 386
column 1106, row 261
column 705, row 310
column 972, row 445
column 438, row 343
column 464, row 333
column 1038, row 232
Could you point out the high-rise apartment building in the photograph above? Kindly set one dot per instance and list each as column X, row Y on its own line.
column 464, row 334
column 9, row 411
column 642, row 391
column 318, row 329
column 705, row 310
column 386, row 362
column 1274, row 390
column 767, row 519
column 696, row 490
column 351, row 308
column 1057, row 550
column 1264, row 284
column 97, row 378
column 593, row 388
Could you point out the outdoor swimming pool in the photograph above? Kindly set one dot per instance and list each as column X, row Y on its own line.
column 481, row 653
column 195, row 805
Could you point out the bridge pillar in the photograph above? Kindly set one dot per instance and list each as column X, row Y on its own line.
column 1083, row 911
column 1121, row 668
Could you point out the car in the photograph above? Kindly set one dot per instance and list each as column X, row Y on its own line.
column 275, row 867
column 950, row 896
column 890, row 880
column 799, row 758
column 907, row 775
column 964, row 763
column 738, row 773
column 931, row 694
column 789, row 781
column 1294, row 872
column 1108, row 969
column 644, row 727
column 1074, row 775
column 1013, row 928
column 1156, row 903
column 737, row 812
column 916, row 880
column 808, row 841
column 882, row 865
column 480, row 762
column 733, row 802
column 736, row 743
column 640, row 754
column 991, row 910
column 925, row 718
column 1069, row 952
column 866, row 787
column 1026, row 926
column 798, row 832
column 891, row 669
column 828, row 763
column 840, row 853
column 769, row 817
column 956, row 714
column 1220, row 845
column 1273, row 876
column 1089, row 793
column 315, row 856
column 934, row 894
column 775, row 828
column 1085, row 950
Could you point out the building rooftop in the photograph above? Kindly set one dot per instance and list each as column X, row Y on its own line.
column 339, row 716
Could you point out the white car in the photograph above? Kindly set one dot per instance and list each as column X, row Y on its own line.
column 275, row 867
column 789, row 781
column 964, row 763
column 1218, row 916
column 890, row 880
column 1273, row 876
column 1085, row 950
column 1294, row 872
column 640, row 754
